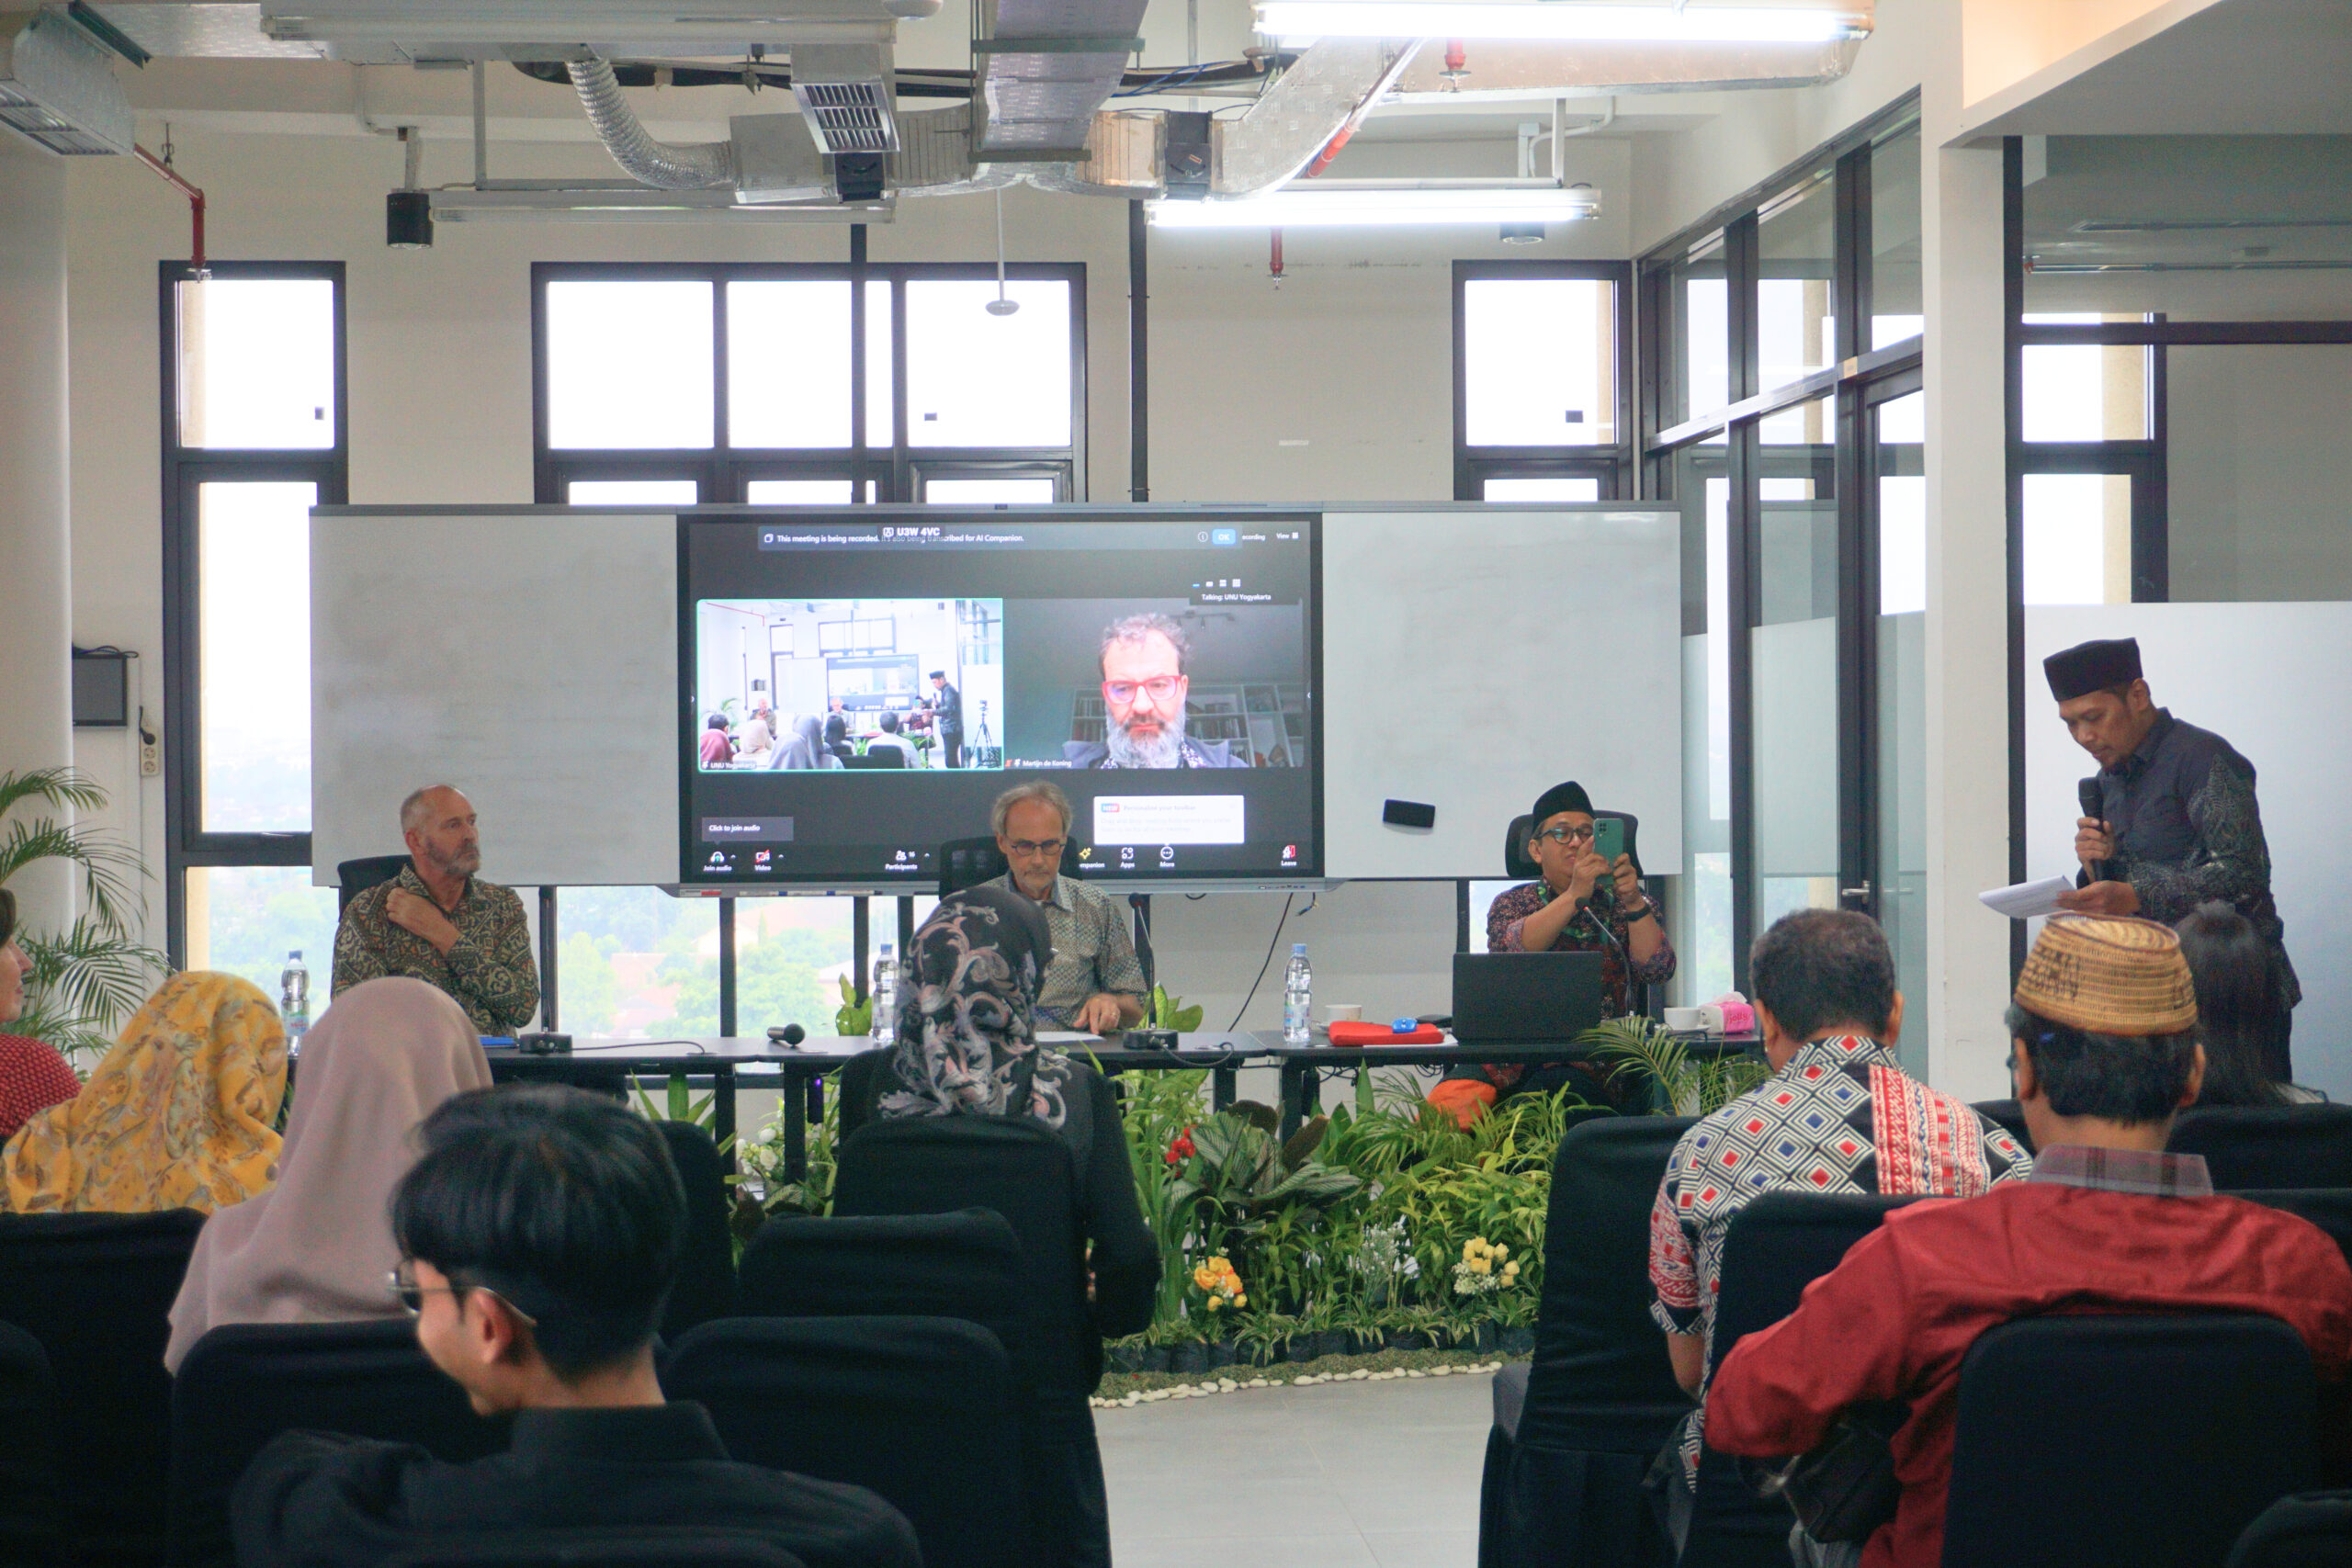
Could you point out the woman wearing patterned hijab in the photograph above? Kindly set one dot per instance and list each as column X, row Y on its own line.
column 180, row 1114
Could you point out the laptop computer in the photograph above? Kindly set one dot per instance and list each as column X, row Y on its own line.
column 1512, row 998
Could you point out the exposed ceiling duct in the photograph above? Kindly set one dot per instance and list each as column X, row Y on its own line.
column 1045, row 66
column 1522, row 70
column 393, row 30
column 1297, row 116
column 700, row 165
column 57, row 87
column 844, row 92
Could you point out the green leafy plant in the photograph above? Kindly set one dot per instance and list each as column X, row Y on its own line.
column 1682, row 1084
column 1161, row 1109
column 1239, row 1168
column 87, row 978
column 854, row 1019
column 1164, row 1012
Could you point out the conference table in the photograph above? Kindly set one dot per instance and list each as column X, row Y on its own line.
column 798, row 1070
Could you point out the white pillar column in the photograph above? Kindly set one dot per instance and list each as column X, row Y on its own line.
column 36, row 621
column 1967, row 628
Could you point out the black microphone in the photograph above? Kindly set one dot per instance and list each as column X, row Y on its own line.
column 790, row 1034
column 2087, row 793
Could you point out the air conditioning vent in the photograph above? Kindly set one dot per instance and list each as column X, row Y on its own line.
column 844, row 94
column 57, row 87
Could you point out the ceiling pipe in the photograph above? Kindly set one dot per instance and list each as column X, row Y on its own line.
column 196, row 262
column 1362, row 111
column 701, row 165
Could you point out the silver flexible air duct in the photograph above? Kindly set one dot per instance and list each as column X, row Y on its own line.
column 702, row 165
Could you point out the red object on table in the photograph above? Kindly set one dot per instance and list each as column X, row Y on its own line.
column 1344, row 1033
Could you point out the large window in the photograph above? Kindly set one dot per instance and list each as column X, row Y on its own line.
column 255, row 437
column 1779, row 410
column 1542, row 370
column 669, row 384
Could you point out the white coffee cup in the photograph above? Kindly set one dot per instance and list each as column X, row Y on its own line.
column 1343, row 1012
column 1686, row 1019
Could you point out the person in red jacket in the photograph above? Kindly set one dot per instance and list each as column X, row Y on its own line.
column 33, row 1077
column 2104, row 1053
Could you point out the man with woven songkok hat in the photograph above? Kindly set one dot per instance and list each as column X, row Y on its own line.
column 2177, row 824
column 2104, row 1051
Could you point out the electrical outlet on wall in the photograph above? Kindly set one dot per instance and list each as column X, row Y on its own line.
column 150, row 752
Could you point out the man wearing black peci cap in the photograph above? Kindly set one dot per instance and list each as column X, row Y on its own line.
column 2177, row 822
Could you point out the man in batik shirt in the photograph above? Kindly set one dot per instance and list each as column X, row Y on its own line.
column 2177, row 822
column 439, row 923
column 1838, row 1115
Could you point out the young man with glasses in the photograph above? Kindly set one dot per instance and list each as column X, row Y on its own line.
column 1581, row 904
column 1094, row 983
column 540, row 1232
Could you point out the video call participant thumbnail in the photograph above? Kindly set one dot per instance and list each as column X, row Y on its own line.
column 1144, row 660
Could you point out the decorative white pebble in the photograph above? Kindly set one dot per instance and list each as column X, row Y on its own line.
column 1416, row 1372
column 1359, row 1374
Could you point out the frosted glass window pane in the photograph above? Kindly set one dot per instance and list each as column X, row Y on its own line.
column 1544, row 490
column 629, row 365
column 974, row 379
column 2086, row 392
column 1901, row 544
column 631, row 492
column 2077, row 538
column 254, row 662
column 244, row 919
column 788, row 364
column 797, row 493
column 1706, row 322
column 1539, row 362
column 880, row 430
column 987, row 492
column 258, row 364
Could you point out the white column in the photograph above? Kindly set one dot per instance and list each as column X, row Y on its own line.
column 36, row 623
column 1968, row 832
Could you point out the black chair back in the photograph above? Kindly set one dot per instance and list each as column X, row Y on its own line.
column 2313, row 1531
column 2008, row 1115
column 353, row 878
column 920, row 1410
column 1519, row 867
column 2106, row 1441
column 968, row 862
column 96, row 1292
column 30, row 1524
column 884, row 756
column 1775, row 1248
column 966, row 1265
column 1600, row 1380
column 243, row 1384
column 704, row 1287
column 939, row 1165
column 2270, row 1146
column 685, row 1547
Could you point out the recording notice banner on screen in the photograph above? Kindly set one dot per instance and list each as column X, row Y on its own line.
column 857, row 686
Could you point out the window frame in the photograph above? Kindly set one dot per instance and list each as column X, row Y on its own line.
column 887, row 460
column 187, row 844
column 1612, row 464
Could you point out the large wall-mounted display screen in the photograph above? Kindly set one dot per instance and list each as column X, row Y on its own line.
column 856, row 687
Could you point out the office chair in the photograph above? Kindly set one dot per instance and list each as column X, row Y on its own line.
column 353, row 877
column 1519, row 867
column 968, row 862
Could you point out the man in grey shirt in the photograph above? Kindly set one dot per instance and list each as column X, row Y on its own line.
column 1094, row 982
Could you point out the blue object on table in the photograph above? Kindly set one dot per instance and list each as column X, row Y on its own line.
column 1404, row 1025
column 489, row 1040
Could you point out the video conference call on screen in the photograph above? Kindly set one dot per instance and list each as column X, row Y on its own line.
column 856, row 691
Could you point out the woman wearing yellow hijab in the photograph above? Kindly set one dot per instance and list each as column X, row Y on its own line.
column 178, row 1116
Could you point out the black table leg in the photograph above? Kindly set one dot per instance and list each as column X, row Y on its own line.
column 722, row 1107
column 796, row 1082
column 1295, row 1079
column 1224, row 1088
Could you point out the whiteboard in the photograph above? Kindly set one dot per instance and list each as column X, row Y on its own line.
column 528, row 656
column 2267, row 678
column 1475, row 655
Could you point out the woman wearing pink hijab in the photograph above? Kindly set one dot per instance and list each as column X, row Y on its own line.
column 317, row 1245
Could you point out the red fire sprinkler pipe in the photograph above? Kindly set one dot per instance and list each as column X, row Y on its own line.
column 1274, row 262
column 195, row 209
column 1362, row 110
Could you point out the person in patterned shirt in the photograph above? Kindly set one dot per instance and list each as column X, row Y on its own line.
column 437, row 922
column 1583, row 903
column 1838, row 1115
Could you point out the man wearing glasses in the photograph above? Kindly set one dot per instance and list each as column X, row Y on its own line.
column 1582, row 904
column 1144, row 659
column 1094, row 983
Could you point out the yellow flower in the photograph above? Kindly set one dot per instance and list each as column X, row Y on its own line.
column 1510, row 1270
column 1481, row 1266
column 1241, row 1301
column 1204, row 1277
column 1501, row 1252
column 1216, row 1302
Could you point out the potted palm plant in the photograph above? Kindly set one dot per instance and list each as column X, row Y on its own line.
column 90, row 974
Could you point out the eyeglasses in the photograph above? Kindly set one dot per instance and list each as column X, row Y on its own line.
column 1160, row 687
column 1566, row 835
column 410, row 1296
column 1051, row 849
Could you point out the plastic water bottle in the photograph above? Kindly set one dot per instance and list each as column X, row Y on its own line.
column 1298, row 1000
column 294, row 998
column 885, row 996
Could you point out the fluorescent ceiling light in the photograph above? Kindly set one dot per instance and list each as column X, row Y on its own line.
column 1297, row 207
column 1560, row 19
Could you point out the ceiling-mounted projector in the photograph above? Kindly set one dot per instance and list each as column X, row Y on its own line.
column 57, row 87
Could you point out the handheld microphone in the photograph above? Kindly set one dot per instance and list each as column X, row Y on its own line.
column 790, row 1034
column 2087, row 793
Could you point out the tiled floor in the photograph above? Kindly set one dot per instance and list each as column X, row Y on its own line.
column 1339, row 1475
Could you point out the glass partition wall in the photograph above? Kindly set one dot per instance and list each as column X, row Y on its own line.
column 1779, row 410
